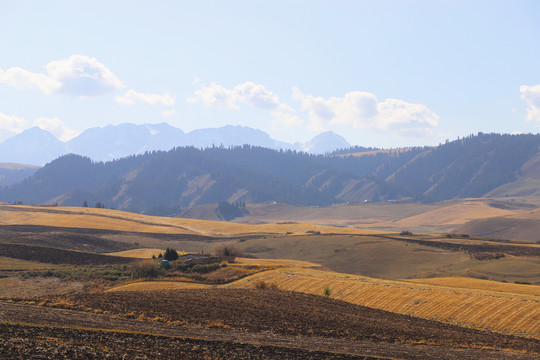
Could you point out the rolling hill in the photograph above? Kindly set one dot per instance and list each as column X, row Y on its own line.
column 161, row 182
column 164, row 182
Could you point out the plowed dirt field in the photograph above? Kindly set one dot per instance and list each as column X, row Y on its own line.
column 286, row 314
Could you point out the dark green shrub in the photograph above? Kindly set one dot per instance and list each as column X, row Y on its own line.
column 205, row 268
column 326, row 291
column 171, row 254
column 228, row 252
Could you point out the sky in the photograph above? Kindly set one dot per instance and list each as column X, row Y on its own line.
column 379, row 73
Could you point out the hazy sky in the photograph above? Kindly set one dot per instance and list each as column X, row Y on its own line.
column 379, row 73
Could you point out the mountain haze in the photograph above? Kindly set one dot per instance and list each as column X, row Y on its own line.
column 14, row 173
column 38, row 147
column 325, row 142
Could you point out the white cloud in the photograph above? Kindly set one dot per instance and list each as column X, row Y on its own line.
column 11, row 122
column 77, row 75
column 10, row 125
column 531, row 95
column 169, row 112
column 24, row 79
column 363, row 110
column 249, row 93
column 216, row 96
column 56, row 127
column 131, row 96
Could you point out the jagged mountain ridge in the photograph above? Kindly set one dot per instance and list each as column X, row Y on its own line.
column 38, row 147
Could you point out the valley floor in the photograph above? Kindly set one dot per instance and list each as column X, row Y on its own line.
column 65, row 275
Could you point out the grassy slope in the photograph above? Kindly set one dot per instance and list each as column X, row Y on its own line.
column 433, row 218
column 470, row 283
column 392, row 259
column 138, row 253
column 124, row 221
column 520, row 226
column 385, row 258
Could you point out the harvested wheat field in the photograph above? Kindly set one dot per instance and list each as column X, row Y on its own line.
column 138, row 253
column 479, row 284
column 508, row 313
column 275, row 263
column 158, row 285
column 457, row 214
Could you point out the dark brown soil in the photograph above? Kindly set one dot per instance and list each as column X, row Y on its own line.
column 472, row 249
column 32, row 342
column 290, row 313
column 58, row 256
column 32, row 331
column 63, row 238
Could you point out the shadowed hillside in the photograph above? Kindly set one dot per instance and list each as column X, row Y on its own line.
column 160, row 183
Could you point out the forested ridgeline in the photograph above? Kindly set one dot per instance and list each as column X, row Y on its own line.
column 187, row 176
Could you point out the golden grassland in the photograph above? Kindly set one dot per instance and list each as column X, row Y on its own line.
column 456, row 214
column 276, row 218
column 158, row 285
column 368, row 255
column 479, row 284
column 509, row 313
column 392, row 258
column 441, row 217
column 9, row 264
column 124, row 221
column 274, row 263
column 138, row 253
column 523, row 225
column 16, row 286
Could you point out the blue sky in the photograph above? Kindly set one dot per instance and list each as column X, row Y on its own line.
column 379, row 73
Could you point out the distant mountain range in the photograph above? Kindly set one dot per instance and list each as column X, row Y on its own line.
column 38, row 147
column 13, row 173
column 162, row 182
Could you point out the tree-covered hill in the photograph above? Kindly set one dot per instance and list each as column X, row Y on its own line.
column 162, row 181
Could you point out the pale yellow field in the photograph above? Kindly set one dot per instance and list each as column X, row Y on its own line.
column 15, row 286
column 508, row 313
column 470, row 283
column 138, row 253
column 456, row 214
column 16, row 264
column 158, row 285
column 124, row 221
column 276, row 263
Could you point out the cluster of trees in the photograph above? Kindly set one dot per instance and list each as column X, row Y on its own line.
column 170, row 254
column 229, row 211
column 98, row 205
